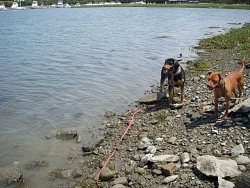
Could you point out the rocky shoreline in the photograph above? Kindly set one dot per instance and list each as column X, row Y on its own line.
column 167, row 146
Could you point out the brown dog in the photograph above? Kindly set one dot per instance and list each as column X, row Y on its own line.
column 176, row 78
column 225, row 86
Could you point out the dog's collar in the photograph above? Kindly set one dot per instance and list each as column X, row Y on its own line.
column 222, row 84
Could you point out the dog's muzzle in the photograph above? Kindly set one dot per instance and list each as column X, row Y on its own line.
column 209, row 87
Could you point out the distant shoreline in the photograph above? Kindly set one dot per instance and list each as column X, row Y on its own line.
column 181, row 5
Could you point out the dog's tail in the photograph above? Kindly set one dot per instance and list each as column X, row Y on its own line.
column 242, row 64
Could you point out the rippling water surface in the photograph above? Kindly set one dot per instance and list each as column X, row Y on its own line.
column 64, row 68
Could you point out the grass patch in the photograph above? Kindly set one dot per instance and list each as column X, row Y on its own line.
column 161, row 115
column 199, row 65
column 238, row 39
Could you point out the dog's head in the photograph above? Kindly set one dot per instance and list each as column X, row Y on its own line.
column 170, row 65
column 215, row 80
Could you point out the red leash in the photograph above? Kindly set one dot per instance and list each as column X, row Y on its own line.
column 118, row 143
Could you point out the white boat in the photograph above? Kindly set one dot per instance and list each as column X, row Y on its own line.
column 2, row 7
column 59, row 4
column 15, row 6
column 34, row 5
column 66, row 6
column 77, row 5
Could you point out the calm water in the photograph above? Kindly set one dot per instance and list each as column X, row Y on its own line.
column 64, row 68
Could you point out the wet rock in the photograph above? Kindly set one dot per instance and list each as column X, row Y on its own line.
column 109, row 114
column 10, row 173
column 37, row 164
column 153, row 97
column 91, row 146
column 77, row 172
column 66, row 174
column 66, row 135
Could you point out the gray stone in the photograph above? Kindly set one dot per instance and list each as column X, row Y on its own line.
column 107, row 174
column 172, row 140
column 118, row 186
column 77, row 172
column 242, row 168
column 185, row 157
column 239, row 149
column 243, row 107
column 121, row 180
column 241, row 160
column 170, row 179
column 212, row 166
column 151, row 149
column 130, row 168
column 140, row 171
column 118, row 165
column 91, row 145
column 144, row 160
column 164, row 158
column 144, row 143
column 153, row 97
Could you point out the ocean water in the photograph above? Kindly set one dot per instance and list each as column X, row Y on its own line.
column 64, row 68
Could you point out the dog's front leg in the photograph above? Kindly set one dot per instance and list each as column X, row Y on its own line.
column 162, row 82
column 216, row 102
column 227, row 107
column 170, row 93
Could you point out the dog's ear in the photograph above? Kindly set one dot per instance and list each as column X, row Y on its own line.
column 210, row 72
column 220, row 76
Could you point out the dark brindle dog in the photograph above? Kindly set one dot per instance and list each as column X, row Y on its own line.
column 176, row 78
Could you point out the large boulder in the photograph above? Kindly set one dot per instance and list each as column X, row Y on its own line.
column 212, row 166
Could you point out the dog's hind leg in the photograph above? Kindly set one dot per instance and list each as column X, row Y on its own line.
column 240, row 88
column 182, row 93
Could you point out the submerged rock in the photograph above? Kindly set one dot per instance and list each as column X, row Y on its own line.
column 10, row 173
